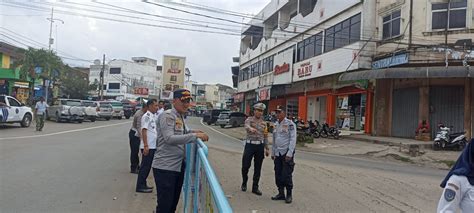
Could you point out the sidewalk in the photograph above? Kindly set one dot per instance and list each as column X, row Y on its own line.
column 380, row 148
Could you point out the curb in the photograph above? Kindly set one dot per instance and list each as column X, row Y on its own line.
column 425, row 145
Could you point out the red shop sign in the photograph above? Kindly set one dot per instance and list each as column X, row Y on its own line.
column 305, row 69
column 281, row 69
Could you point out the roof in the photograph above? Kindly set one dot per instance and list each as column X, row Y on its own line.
column 410, row 72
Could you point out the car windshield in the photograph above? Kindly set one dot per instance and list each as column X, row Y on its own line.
column 87, row 103
column 71, row 103
column 116, row 104
column 224, row 115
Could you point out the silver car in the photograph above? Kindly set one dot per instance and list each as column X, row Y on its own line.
column 104, row 110
column 70, row 110
column 234, row 119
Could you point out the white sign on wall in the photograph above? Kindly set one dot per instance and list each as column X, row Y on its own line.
column 282, row 67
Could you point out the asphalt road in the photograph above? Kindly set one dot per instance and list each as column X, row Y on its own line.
column 85, row 168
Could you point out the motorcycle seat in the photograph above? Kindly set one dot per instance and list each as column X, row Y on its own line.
column 456, row 134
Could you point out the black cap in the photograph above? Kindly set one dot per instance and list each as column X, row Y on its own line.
column 182, row 94
column 280, row 108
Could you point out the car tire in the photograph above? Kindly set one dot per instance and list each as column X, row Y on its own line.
column 120, row 118
column 58, row 120
column 26, row 121
column 79, row 121
column 93, row 119
column 127, row 117
column 234, row 124
column 222, row 126
column 209, row 123
column 107, row 118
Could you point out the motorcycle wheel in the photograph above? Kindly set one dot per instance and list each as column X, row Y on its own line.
column 462, row 144
column 436, row 146
column 316, row 134
column 324, row 134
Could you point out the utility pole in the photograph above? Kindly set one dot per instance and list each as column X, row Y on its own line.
column 51, row 30
column 411, row 25
column 101, row 87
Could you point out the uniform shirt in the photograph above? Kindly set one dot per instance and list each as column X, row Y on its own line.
column 260, row 125
column 149, row 123
column 160, row 111
column 284, row 138
column 41, row 107
column 137, row 122
column 458, row 194
column 173, row 134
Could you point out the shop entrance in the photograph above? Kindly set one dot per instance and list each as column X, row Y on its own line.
column 317, row 109
column 350, row 112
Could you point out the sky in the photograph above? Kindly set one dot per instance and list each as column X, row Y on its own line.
column 208, row 55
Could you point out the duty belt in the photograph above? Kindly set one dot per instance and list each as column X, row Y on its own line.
column 254, row 142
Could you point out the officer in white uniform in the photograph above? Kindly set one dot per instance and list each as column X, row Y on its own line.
column 458, row 193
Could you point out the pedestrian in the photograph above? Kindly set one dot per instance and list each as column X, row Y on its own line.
column 169, row 161
column 41, row 109
column 256, row 147
column 283, row 150
column 134, row 136
column 161, row 107
column 458, row 185
column 147, row 145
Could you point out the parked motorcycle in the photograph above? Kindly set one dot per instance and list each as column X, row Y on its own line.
column 314, row 128
column 446, row 140
column 327, row 131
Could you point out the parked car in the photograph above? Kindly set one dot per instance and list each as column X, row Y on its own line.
column 12, row 111
column 117, row 109
column 104, row 110
column 70, row 110
column 90, row 110
column 235, row 119
column 128, row 110
column 212, row 115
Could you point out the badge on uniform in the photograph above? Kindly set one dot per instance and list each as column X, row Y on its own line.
column 169, row 121
column 179, row 124
column 284, row 128
column 449, row 195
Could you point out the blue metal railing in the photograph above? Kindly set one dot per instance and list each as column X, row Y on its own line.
column 202, row 191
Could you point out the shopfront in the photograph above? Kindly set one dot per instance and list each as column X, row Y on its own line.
column 250, row 100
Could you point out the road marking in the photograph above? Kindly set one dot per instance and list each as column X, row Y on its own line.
column 231, row 137
column 64, row 132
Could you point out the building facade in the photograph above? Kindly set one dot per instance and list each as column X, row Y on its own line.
column 124, row 79
column 294, row 55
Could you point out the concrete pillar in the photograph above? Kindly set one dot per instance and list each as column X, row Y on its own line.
column 383, row 112
column 468, row 107
column 424, row 105
column 302, row 107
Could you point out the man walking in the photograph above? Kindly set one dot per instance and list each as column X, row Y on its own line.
column 169, row 161
column 283, row 150
column 134, row 137
column 147, row 145
column 256, row 145
column 161, row 107
column 40, row 112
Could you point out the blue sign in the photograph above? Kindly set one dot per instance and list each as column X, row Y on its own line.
column 38, row 70
column 390, row 61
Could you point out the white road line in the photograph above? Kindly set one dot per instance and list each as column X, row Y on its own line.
column 231, row 137
column 64, row 132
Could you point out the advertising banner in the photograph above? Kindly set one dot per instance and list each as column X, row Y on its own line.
column 173, row 75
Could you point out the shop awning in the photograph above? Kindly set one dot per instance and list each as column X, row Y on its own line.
column 410, row 72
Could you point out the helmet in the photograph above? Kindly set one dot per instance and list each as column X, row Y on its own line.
column 260, row 106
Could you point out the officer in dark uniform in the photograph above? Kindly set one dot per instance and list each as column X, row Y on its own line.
column 256, row 147
column 283, row 150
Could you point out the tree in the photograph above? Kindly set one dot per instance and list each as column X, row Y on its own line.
column 74, row 84
column 32, row 58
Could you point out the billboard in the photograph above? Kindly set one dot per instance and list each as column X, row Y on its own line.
column 173, row 75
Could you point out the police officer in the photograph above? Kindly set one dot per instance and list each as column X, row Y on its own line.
column 256, row 145
column 169, row 161
column 283, row 150
column 458, row 185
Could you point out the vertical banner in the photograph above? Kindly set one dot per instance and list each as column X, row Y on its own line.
column 173, row 75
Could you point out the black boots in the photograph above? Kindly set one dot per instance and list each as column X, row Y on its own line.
column 280, row 195
column 256, row 191
column 289, row 198
column 244, row 187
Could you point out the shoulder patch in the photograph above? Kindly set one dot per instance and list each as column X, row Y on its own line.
column 454, row 186
column 449, row 195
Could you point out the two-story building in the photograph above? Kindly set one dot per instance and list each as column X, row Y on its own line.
column 124, row 79
column 293, row 52
column 422, row 67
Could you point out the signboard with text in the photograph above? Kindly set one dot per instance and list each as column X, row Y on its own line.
column 283, row 64
column 173, row 75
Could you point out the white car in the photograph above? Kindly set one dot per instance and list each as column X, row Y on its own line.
column 12, row 111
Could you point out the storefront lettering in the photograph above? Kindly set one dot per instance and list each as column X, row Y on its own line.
column 305, row 69
column 282, row 69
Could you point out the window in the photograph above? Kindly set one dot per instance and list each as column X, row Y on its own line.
column 115, row 70
column 455, row 12
column 173, row 78
column 310, row 47
column 267, row 64
column 342, row 34
column 114, row 85
column 391, row 25
column 255, row 69
column 104, row 87
column 13, row 102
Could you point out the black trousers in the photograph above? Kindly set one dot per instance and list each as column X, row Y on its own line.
column 145, row 168
column 168, row 188
column 284, row 172
column 257, row 153
column 134, row 148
